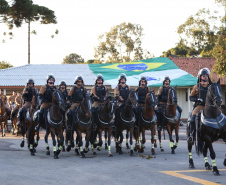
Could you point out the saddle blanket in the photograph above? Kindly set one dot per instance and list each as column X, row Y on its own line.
column 217, row 123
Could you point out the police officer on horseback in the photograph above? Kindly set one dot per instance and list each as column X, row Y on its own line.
column 142, row 90
column 99, row 93
column 4, row 99
column 121, row 92
column 198, row 95
column 75, row 97
column 162, row 98
column 27, row 96
column 45, row 95
column 63, row 89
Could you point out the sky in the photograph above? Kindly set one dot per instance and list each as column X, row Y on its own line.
column 81, row 22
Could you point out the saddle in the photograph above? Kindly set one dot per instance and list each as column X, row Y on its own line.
column 217, row 123
column 172, row 119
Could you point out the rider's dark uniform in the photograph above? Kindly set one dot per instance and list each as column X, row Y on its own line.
column 45, row 95
column 75, row 97
column 162, row 98
column 64, row 90
column 198, row 96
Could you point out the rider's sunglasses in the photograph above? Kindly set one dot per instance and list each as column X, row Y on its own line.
column 143, row 81
column 62, row 87
column 205, row 75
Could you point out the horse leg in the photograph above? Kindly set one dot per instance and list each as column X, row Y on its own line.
column 105, row 137
column 93, row 138
column 109, row 142
column 127, row 139
column 30, row 138
column 143, row 140
column 88, row 134
column 177, row 136
column 170, row 138
column 191, row 163
column 213, row 156
column 160, row 141
column 153, row 140
column 77, row 147
column 23, row 133
column 54, row 146
column 60, row 141
column 80, row 144
column 131, row 141
column 120, row 143
column 207, row 165
column 136, row 136
column 47, row 145
column 155, row 137
column 100, row 140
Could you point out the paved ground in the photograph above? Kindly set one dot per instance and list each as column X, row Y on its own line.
column 18, row 167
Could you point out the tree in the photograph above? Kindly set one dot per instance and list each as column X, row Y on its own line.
column 120, row 44
column 4, row 65
column 73, row 58
column 24, row 11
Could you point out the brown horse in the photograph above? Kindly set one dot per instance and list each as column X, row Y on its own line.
column 3, row 117
column 171, row 119
column 82, row 123
column 210, row 127
column 125, row 120
column 14, row 119
column 104, row 120
column 27, row 115
column 53, row 123
column 146, row 121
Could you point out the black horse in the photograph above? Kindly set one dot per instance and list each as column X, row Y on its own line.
column 124, row 120
column 210, row 126
column 82, row 123
column 104, row 120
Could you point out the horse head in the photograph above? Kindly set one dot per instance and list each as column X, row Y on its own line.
column 150, row 99
column 172, row 96
column 35, row 100
column 133, row 98
column 58, row 100
column 109, row 105
column 214, row 94
column 86, row 105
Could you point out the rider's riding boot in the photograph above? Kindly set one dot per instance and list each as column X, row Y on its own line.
column 20, row 116
column 192, row 128
column 40, row 119
column 69, row 120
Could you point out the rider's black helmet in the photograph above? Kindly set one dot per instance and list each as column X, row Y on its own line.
column 30, row 80
column 121, row 76
column 49, row 77
column 166, row 78
column 99, row 76
column 79, row 77
column 62, row 82
column 143, row 78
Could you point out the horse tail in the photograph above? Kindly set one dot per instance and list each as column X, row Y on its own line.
column 199, row 146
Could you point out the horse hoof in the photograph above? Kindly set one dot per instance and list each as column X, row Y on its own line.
column 207, row 166
column 172, row 152
column 106, row 146
column 94, row 153
column 216, row 171
column 127, row 146
column 32, row 154
column 72, row 145
column 56, row 157
column 83, row 155
column 155, row 145
column 63, row 149
column 22, row 144
column 131, row 153
column 47, row 152
column 76, row 151
column 68, row 148
column 85, row 151
column 110, row 155
column 174, row 147
column 141, row 150
column 35, row 145
column 34, row 150
column 152, row 151
column 121, row 152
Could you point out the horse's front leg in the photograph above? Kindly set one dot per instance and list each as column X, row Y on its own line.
column 153, row 140
column 54, row 146
column 100, row 140
column 47, row 145
column 207, row 165
column 127, row 139
column 109, row 142
column 23, row 133
column 60, row 141
column 177, row 135
column 160, row 140
column 142, row 140
column 106, row 137
column 213, row 156
column 136, row 136
column 88, row 135
column 76, row 145
column 168, row 127
column 131, row 141
column 80, row 144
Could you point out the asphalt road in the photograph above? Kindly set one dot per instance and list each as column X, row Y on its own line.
column 19, row 167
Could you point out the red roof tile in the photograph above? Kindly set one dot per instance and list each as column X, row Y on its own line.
column 193, row 65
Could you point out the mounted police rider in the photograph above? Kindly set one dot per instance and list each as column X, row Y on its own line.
column 75, row 97
column 27, row 96
column 63, row 89
column 12, row 100
column 142, row 90
column 198, row 95
column 99, row 93
column 162, row 98
column 4, row 99
column 45, row 95
column 121, row 91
